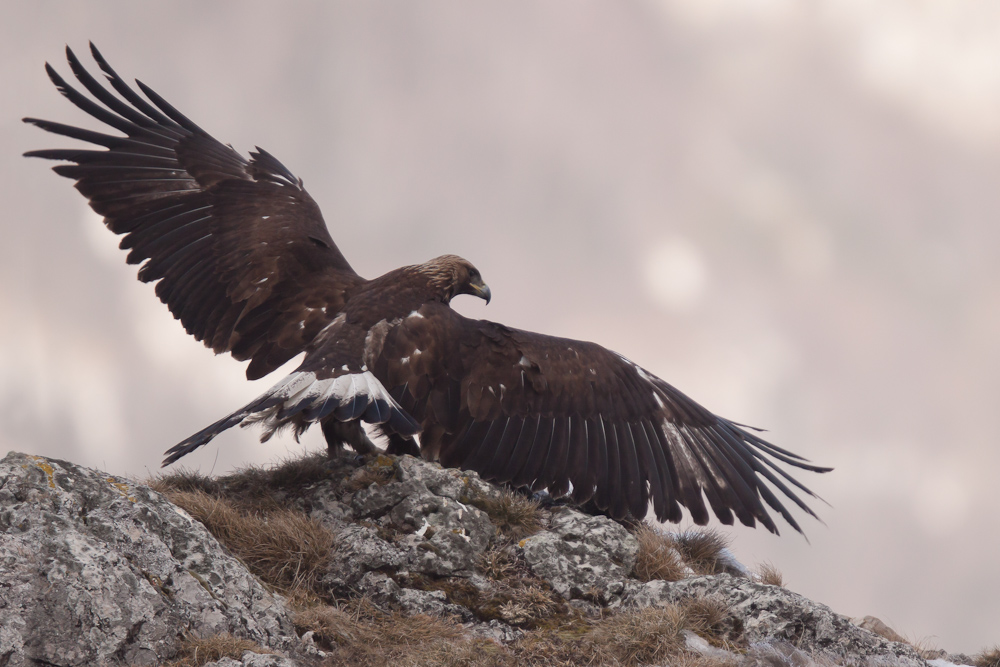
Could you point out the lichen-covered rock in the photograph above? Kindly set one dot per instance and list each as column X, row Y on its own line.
column 251, row 659
column 385, row 592
column 499, row 632
column 377, row 499
column 438, row 533
column 582, row 556
column 460, row 485
column 448, row 536
column 773, row 615
column 96, row 568
column 358, row 550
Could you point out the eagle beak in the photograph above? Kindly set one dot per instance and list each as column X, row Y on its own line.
column 482, row 290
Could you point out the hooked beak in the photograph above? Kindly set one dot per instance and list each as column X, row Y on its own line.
column 482, row 290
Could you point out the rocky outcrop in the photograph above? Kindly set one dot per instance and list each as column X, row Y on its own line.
column 95, row 568
column 763, row 614
column 581, row 556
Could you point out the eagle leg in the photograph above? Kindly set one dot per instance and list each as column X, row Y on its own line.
column 338, row 434
column 398, row 445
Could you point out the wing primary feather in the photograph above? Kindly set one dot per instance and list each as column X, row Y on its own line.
column 742, row 481
column 597, row 457
column 775, row 451
column 554, row 473
column 749, row 466
column 102, row 94
column 169, row 109
column 635, row 483
column 617, row 506
column 671, row 483
column 505, row 449
column 749, row 446
column 578, row 460
column 528, row 474
column 482, row 455
column 452, row 450
column 98, row 138
column 688, row 475
column 126, row 91
column 521, row 450
column 650, row 468
column 87, row 105
column 715, row 486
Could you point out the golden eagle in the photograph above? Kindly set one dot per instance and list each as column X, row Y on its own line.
column 240, row 254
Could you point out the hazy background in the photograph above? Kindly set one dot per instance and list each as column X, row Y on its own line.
column 789, row 213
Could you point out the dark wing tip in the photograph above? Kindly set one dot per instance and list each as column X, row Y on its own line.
column 178, row 451
column 54, row 77
column 170, row 110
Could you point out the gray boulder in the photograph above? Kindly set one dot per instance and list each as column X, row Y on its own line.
column 438, row 533
column 358, row 550
column 385, row 592
column 460, row 485
column 96, row 568
column 582, row 556
column 251, row 659
column 771, row 615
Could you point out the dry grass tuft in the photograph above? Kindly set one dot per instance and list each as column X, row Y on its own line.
column 361, row 635
column 706, row 616
column 197, row 652
column 287, row 475
column 702, row 550
column 519, row 598
column 184, row 480
column 767, row 573
column 497, row 564
column 514, row 515
column 530, row 605
column 658, row 557
column 332, row 626
column 647, row 636
column 286, row 549
column 250, row 485
column 988, row 658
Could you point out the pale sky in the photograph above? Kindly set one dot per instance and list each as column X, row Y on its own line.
column 789, row 213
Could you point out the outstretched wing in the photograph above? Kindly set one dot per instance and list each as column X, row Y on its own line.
column 240, row 250
column 574, row 417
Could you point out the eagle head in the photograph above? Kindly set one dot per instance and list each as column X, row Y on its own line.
column 453, row 275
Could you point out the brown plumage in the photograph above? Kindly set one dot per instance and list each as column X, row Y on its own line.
column 241, row 256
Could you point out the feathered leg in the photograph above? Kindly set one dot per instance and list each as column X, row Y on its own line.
column 338, row 434
column 398, row 445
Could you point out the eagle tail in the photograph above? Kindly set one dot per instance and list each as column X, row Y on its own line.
column 300, row 400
